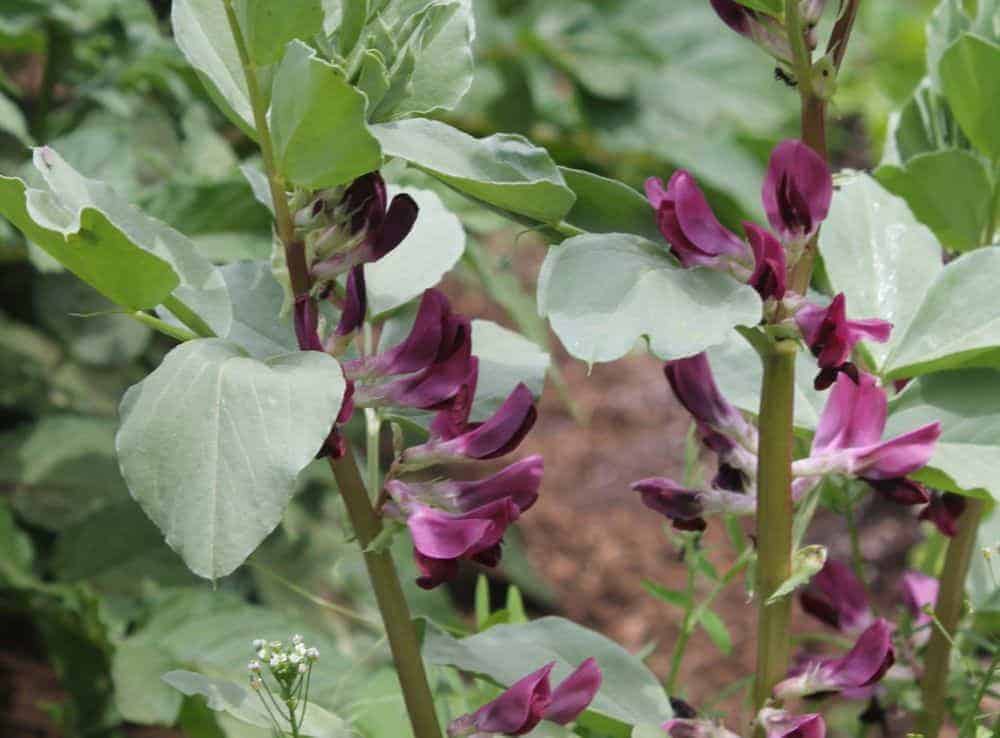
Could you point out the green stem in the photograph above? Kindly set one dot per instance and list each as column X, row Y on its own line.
column 181, row 334
column 857, row 559
column 948, row 612
column 391, row 602
column 774, row 516
column 188, row 317
column 680, row 645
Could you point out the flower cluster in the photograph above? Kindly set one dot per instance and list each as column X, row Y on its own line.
column 290, row 668
column 775, row 724
column 433, row 369
column 529, row 701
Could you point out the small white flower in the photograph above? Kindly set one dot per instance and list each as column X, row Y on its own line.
column 276, row 645
column 303, row 668
column 300, row 649
column 312, row 654
column 253, row 666
column 295, row 658
column 263, row 654
column 275, row 660
column 296, row 639
column 258, row 643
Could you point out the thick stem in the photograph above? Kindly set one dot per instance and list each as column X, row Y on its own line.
column 948, row 612
column 774, row 516
column 188, row 317
column 391, row 602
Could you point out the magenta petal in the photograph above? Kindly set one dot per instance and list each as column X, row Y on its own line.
column 868, row 661
column 700, row 226
column 656, row 193
column 453, row 420
column 503, row 431
column 421, row 345
column 836, row 597
column 901, row 455
column 944, row 511
column 797, row 191
column 919, row 591
column 782, row 724
column 770, row 270
column 854, row 415
column 518, row 710
column 574, row 693
column 673, row 501
column 519, row 481
column 901, row 490
column 431, row 388
column 443, row 535
column 831, row 336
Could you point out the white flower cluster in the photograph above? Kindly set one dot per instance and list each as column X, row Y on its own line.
column 282, row 661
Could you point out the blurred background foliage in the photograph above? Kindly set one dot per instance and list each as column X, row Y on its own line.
column 624, row 88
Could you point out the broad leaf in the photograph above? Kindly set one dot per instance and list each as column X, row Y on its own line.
column 70, row 196
column 202, row 32
column 267, row 26
column 948, row 191
column 504, row 170
column 970, row 78
column 318, row 122
column 12, row 120
column 602, row 293
column 258, row 326
column 506, row 358
column 91, row 247
column 947, row 23
column 629, row 693
column 431, row 249
column 607, row 206
column 957, row 322
column 211, row 443
column 968, row 407
column 878, row 255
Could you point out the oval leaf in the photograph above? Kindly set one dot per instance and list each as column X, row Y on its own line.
column 970, row 76
column 211, row 443
column 603, row 293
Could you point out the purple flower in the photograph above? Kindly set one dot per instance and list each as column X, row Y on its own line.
column 428, row 369
column 356, row 226
column 695, row 235
column 782, row 724
column 944, row 511
column 836, row 597
column 847, row 439
column 919, row 591
column 832, row 337
column 441, row 539
column 500, row 434
column 352, row 316
column 863, row 665
column 694, row 386
column 797, row 191
column 694, row 728
column 530, row 700
column 901, row 490
column 687, row 508
column 306, row 321
column 519, row 482
column 769, row 276
column 760, row 28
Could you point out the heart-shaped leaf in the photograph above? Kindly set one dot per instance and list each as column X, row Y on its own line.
column 212, row 441
column 602, row 293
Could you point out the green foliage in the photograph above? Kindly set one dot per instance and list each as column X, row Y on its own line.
column 603, row 293
column 229, row 449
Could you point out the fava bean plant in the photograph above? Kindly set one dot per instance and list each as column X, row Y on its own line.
column 844, row 345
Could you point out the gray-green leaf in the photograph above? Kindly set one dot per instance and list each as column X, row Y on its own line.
column 506, row 359
column 970, row 77
column 503, row 170
column 608, row 206
column 629, row 692
column 267, row 26
column 211, row 443
column 318, row 122
column 602, row 293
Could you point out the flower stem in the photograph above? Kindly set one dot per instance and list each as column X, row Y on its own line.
column 948, row 612
column 391, row 603
column 774, row 516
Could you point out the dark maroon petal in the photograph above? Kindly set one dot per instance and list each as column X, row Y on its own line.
column 797, row 191
column 453, row 420
column 519, row 709
column 420, row 347
column 729, row 478
column 820, row 607
column 670, row 499
column 435, row 386
column 399, row 220
column 307, row 324
column 491, row 556
column 737, row 17
column 365, row 201
column 504, row 430
column 355, row 303
column 901, row 490
column 694, row 386
column 836, row 597
column 574, row 693
column 519, row 481
column 944, row 511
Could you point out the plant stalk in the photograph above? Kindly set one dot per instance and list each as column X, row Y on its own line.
column 391, row 602
column 948, row 612
column 774, row 516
